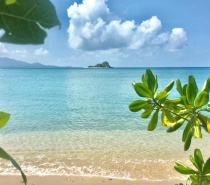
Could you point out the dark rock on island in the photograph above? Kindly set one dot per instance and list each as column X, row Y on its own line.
column 104, row 64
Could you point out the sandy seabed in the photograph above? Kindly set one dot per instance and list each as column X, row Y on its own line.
column 78, row 180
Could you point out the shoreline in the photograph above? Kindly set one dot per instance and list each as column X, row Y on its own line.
column 80, row 180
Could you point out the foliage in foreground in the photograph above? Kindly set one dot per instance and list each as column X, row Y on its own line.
column 188, row 110
column 24, row 22
column 200, row 176
column 4, row 118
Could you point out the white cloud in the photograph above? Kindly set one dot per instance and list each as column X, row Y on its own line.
column 177, row 39
column 41, row 51
column 21, row 52
column 91, row 29
column 18, row 52
column 2, row 48
column 161, row 39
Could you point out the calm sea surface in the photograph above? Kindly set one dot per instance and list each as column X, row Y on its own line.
column 77, row 122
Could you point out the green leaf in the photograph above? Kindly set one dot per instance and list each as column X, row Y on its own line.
column 191, row 90
column 176, row 126
column 147, row 112
column 198, row 159
column 156, row 83
column 188, row 140
column 206, row 181
column 174, row 101
column 185, row 102
column 179, row 87
column 194, row 179
column 193, row 161
column 150, row 80
column 153, row 122
column 186, row 130
column 169, row 116
column 144, row 80
column 205, row 86
column 4, row 118
column 5, row 155
column 208, row 83
column 205, row 122
column 206, row 167
column 206, row 109
column 142, row 90
column 169, row 86
column 9, row 2
column 184, row 90
column 137, row 105
column 197, row 131
column 25, row 21
column 162, row 95
column 183, row 169
column 164, row 119
column 202, row 99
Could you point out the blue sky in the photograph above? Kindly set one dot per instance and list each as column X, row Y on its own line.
column 137, row 33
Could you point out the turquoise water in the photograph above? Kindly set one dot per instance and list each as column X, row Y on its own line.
column 77, row 122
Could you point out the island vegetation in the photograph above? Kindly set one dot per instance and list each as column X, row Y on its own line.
column 104, row 64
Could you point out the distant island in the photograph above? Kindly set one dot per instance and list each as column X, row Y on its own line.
column 104, row 64
column 7, row 63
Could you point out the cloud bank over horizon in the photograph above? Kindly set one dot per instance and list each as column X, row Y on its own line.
column 91, row 27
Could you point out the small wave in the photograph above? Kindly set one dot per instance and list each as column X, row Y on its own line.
column 61, row 169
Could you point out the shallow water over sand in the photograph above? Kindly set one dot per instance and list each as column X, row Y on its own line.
column 77, row 122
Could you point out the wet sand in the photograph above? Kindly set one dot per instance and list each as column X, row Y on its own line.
column 79, row 180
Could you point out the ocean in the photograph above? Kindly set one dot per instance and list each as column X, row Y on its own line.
column 77, row 122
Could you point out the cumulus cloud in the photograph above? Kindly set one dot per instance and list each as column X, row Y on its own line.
column 91, row 29
column 177, row 39
column 41, row 51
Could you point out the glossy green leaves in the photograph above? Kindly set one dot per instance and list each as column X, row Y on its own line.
column 205, row 122
column 6, row 156
column 142, row 90
column 202, row 99
column 153, row 122
column 25, row 21
column 191, row 90
column 150, row 80
column 202, row 172
column 174, row 112
column 152, row 105
column 169, row 86
column 183, row 169
column 137, row 105
column 4, row 118
column 185, row 110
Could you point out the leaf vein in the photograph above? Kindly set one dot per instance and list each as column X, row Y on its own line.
column 23, row 18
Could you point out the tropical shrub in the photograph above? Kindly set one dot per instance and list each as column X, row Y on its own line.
column 187, row 110
column 24, row 22
column 200, row 176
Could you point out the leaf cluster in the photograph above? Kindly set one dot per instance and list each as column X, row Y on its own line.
column 4, row 118
column 25, row 21
column 200, row 176
column 187, row 108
